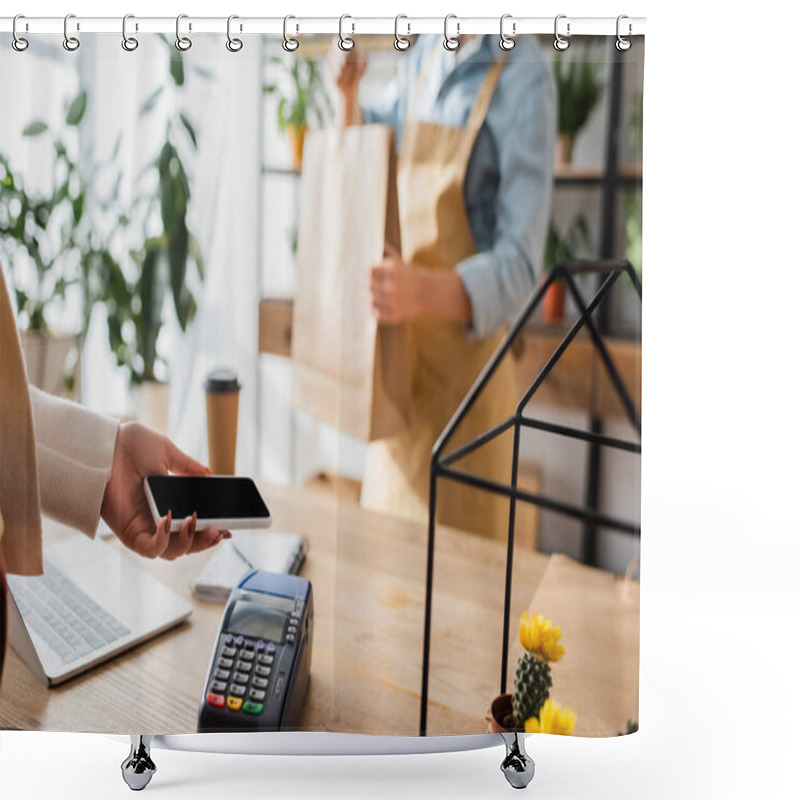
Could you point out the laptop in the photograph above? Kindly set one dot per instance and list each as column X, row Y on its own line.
column 92, row 602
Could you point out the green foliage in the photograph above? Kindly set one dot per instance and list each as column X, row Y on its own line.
column 308, row 96
column 34, row 128
column 567, row 246
column 49, row 237
column 58, row 236
column 77, row 108
column 176, row 66
column 633, row 231
column 164, row 259
column 532, row 682
column 579, row 89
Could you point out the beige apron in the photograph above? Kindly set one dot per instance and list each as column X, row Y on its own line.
column 435, row 233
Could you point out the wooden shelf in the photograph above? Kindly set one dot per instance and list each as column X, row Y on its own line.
column 570, row 174
column 269, row 169
column 564, row 174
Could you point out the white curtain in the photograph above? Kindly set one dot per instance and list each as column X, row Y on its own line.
column 221, row 97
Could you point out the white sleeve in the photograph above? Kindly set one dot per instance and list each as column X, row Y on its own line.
column 74, row 449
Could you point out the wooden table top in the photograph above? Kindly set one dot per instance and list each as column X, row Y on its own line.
column 368, row 573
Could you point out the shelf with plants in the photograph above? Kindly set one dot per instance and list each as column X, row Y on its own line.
column 589, row 83
column 594, row 84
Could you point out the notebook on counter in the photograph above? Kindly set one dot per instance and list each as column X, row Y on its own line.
column 272, row 551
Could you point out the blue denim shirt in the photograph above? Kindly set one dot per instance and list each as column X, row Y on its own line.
column 509, row 180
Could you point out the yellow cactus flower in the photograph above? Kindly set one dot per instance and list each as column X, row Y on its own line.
column 553, row 718
column 539, row 636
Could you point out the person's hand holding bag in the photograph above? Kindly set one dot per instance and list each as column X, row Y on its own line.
column 401, row 292
column 346, row 68
column 140, row 452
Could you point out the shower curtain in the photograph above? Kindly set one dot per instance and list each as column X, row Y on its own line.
column 155, row 206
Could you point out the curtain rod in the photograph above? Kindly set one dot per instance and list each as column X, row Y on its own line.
column 567, row 26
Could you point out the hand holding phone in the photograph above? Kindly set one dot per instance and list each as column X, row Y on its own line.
column 220, row 501
column 138, row 452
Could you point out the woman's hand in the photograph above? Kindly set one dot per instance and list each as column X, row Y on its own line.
column 140, row 452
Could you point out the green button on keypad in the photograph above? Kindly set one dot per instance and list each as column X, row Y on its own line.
column 252, row 708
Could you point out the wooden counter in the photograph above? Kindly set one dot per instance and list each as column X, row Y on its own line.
column 367, row 572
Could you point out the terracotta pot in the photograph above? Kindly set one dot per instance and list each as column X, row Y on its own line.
column 554, row 301
column 52, row 360
column 499, row 713
column 297, row 137
column 564, row 145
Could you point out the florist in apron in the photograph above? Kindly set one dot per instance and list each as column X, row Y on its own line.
column 476, row 133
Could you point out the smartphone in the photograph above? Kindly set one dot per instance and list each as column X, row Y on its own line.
column 220, row 501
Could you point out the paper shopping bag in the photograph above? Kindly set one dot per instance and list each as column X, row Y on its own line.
column 349, row 371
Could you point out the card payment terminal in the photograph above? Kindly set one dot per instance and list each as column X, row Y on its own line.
column 258, row 675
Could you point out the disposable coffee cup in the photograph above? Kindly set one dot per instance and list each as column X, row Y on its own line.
column 222, row 416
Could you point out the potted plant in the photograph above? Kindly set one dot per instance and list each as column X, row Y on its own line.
column 560, row 248
column 49, row 237
column 579, row 89
column 530, row 708
column 307, row 99
column 135, row 299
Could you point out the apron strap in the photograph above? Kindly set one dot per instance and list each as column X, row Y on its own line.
column 423, row 76
column 479, row 108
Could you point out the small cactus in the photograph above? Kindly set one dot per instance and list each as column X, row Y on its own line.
column 532, row 684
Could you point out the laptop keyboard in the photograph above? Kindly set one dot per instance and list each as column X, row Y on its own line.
column 66, row 618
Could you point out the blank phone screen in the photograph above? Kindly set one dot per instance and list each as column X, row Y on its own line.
column 209, row 497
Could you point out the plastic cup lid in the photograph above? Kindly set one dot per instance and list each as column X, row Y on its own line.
column 222, row 379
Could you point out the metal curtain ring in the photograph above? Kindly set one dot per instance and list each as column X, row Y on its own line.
column 71, row 43
column 19, row 43
column 234, row 45
column 560, row 43
column 622, row 43
column 290, row 44
column 401, row 42
column 182, row 42
column 451, row 42
column 507, row 42
column 129, row 43
column 345, row 42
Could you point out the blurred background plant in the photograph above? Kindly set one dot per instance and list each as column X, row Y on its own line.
column 305, row 103
column 577, row 74
column 632, row 200
column 51, row 240
column 561, row 247
column 568, row 245
column 633, row 230
column 42, row 232
column 169, row 263
column 79, row 243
